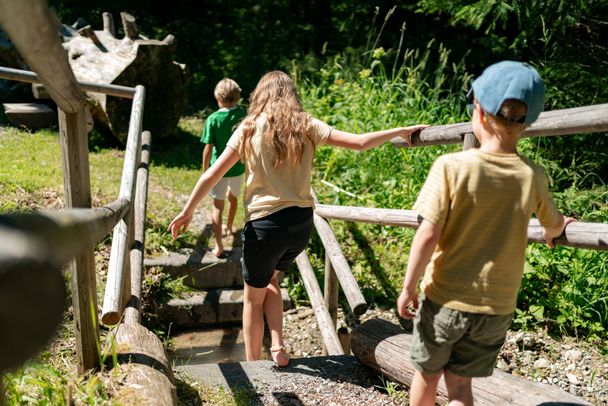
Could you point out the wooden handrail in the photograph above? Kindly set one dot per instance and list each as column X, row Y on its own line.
column 133, row 310
column 349, row 285
column 113, row 303
column 55, row 237
column 578, row 234
column 324, row 320
column 31, row 77
column 578, row 120
column 42, row 50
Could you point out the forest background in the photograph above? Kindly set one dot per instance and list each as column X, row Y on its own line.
column 364, row 65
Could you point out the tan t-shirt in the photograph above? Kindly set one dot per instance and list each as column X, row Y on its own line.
column 483, row 202
column 269, row 189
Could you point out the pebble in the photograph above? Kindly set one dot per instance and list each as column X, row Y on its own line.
column 572, row 379
column 542, row 363
column 573, row 355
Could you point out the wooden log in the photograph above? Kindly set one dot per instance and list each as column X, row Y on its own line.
column 578, row 120
column 142, row 358
column 129, row 26
column 330, row 339
column 384, row 347
column 331, row 290
column 108, row 23
column 112, row 304
column 32, row 300
column 133, row 310
column 351, row 290
column 31, row 27
column 344, row 336
column 578, row 234
column 31, row 77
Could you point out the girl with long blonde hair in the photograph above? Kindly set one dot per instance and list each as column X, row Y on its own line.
column 277, row 141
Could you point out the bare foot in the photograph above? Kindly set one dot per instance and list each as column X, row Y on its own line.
column 226, row 231
column 218, row 251
column 280, row 356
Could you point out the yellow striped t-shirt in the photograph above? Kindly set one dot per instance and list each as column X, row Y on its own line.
column 483, row 202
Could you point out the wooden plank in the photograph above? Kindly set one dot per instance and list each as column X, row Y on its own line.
column 31, row 27
column 113, row 304
column 384, row 347
column 326, row 325
column 578, row 120
column 31, row 77
column 351, row 290
column 148, row 377
column 133, row 310
column 578, row 234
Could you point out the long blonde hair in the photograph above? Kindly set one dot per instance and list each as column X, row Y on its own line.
column 288, row 127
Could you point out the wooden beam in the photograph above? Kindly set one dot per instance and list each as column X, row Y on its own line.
column 578, row 120
column 113, row 304
column 384, row 347
column 133, row 310
column 351, row 290
column 31, row 77
column 578, row 234
column 31, row 27
column 326, row 325
column 331, row 291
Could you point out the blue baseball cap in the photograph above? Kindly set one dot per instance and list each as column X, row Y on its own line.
column 510, row 80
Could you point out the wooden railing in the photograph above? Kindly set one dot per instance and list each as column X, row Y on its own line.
column 578, row 120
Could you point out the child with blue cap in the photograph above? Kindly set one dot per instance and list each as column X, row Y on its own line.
column 470, row 246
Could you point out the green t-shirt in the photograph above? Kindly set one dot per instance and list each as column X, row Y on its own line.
column 218, row 129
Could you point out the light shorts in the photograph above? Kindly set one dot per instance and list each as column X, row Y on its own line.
column 466, row 344
column 232, row 183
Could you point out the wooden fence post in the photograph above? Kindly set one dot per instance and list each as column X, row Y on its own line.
column 330, row 293
column 76, row 179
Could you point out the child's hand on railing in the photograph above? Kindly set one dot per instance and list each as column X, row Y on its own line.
column 179, row 224
column 412, row 130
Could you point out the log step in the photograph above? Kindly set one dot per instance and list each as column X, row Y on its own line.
column 207, row 308
column 384, row 347
column 30, row 115
column 202, row 270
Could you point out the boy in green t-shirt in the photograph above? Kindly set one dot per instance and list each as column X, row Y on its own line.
column 217, row 132
column 476, row 206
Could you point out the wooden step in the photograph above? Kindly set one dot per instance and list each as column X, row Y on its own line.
column 333, row 380
column 202, row 270
column 207, row 308
column 30, row 115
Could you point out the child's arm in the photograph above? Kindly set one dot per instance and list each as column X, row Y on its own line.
column 207, row 151
column 422, row 249
column 365, row 141
column 551, row 233
column 207, row 180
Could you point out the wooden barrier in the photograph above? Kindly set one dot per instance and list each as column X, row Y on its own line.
column 326, row 325
column 116, row 286
column 384, row 347
column 31, row 77
column 576, row 120
column 133, row 310
column 578, row 234
column 353, row 294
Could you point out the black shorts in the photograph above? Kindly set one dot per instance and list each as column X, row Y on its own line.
column 273, row 242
